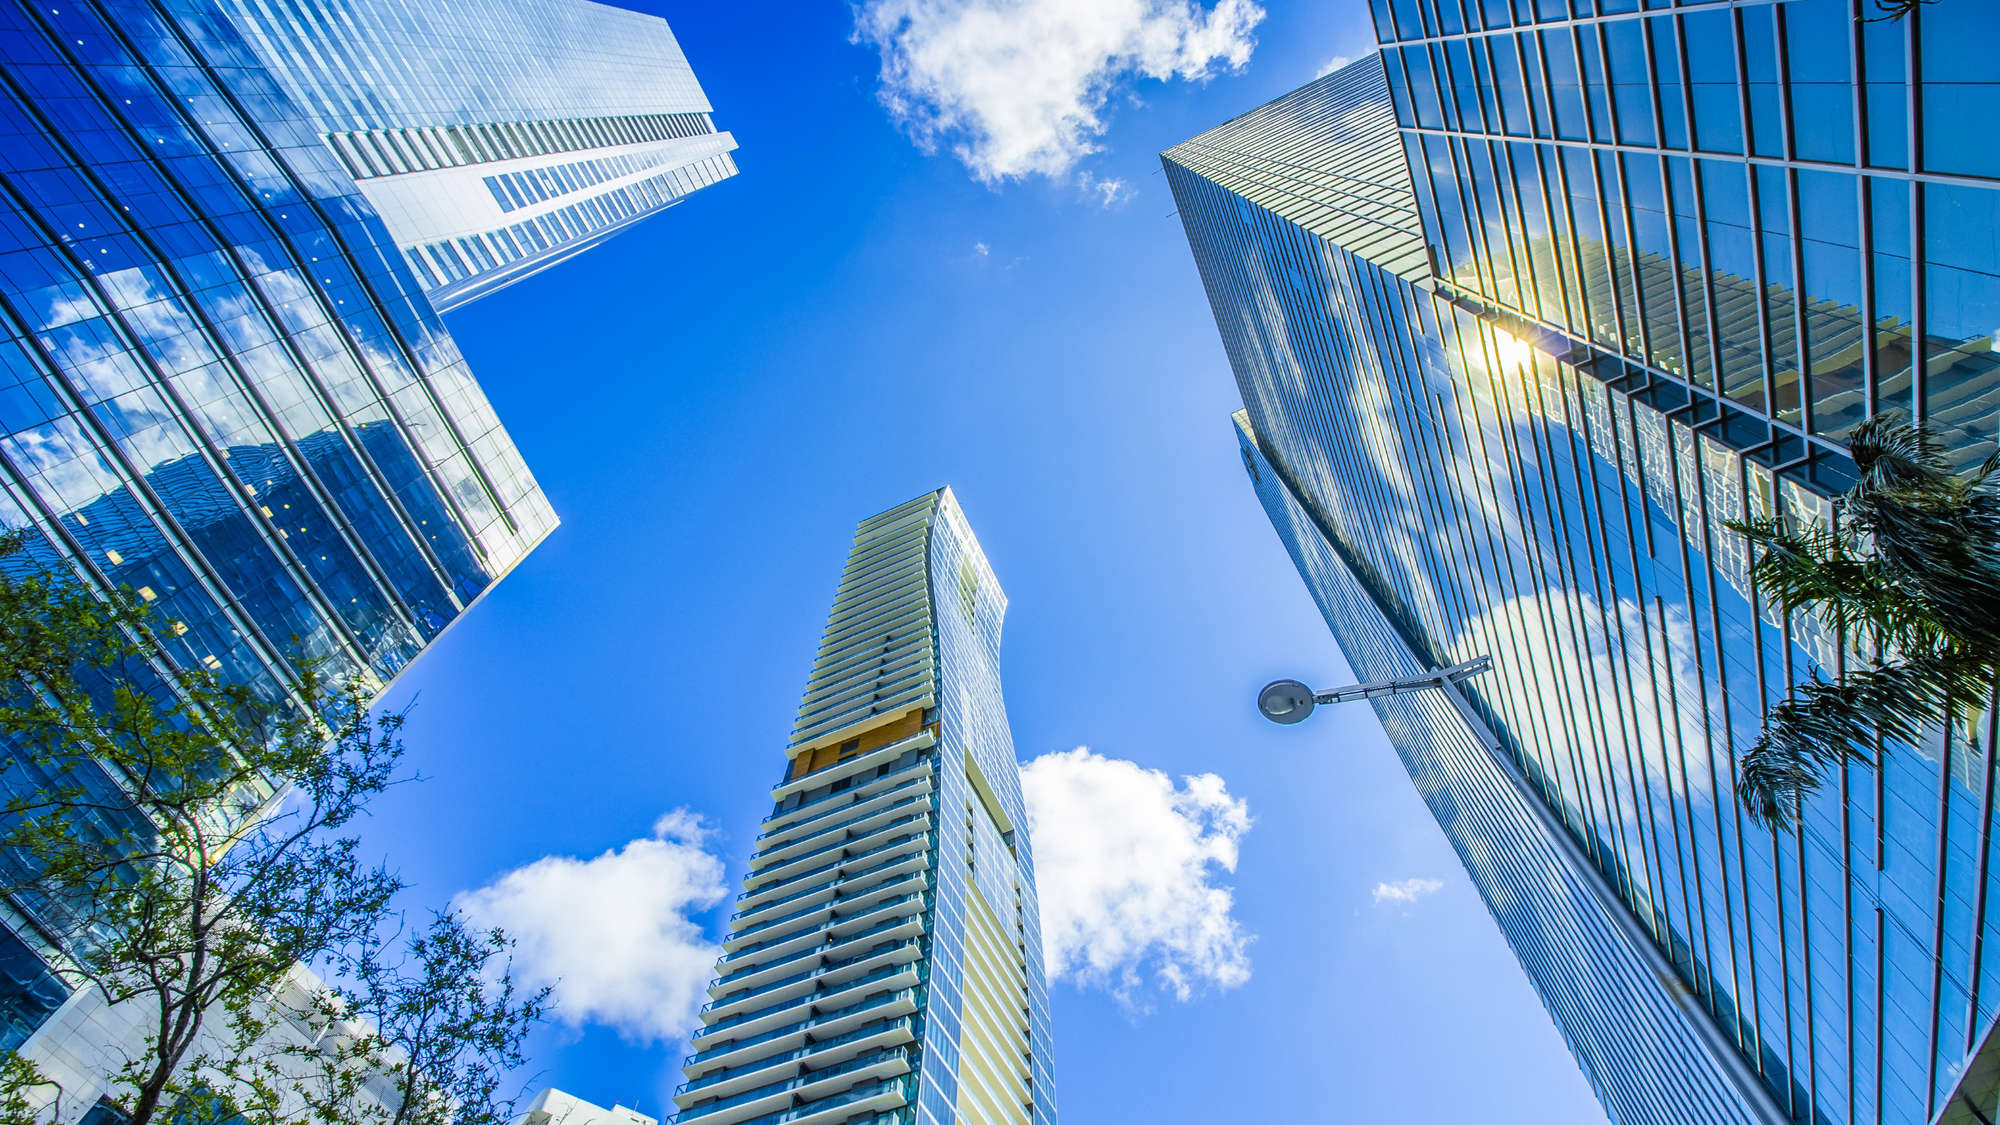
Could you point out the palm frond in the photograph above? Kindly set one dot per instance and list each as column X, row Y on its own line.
column 1827, row 722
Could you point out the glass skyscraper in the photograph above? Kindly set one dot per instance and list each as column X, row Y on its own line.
column 225, row 385
column 495, row 138
column 884, row 964
column 1522, row 310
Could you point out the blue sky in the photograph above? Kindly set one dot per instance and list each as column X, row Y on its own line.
column 712, row 401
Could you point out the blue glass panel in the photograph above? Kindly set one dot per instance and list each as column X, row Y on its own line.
column 1711, row 49
column 1818, row 50
column 1960, row 87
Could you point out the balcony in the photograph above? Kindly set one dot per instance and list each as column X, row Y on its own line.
column 852, row 827
column 862, row 763
column 839, row 877
column 882, row 1064
column 894, row 977
column 742, row 975
column 907, row 947
column 850, row 842
column 836, row 1022
column 886, row 1032
column 886, row 1094
column 855, row 795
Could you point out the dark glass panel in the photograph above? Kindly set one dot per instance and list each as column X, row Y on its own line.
column 1532, row 68
column 1565, row 88
column 1885, row 67
column 1585, row 217
column 1694, row 294
column 1450, row 20
column 1409, row 21
column 1596, row 92
column 1465, row 85
column 1399, row 87
column 1450, row 212
column 1617, row 7
column 1961, row 316
column 1889, row 231
column 1818, row 50
column 1507, row 80
column 1667, row 79
column 1385, row 24
column 1618, row 252
column 1497, row 14
column 1760, row 64
column 1423, row 88
column 1732, row 273
column 1626, row 44
column 1653, row 244
column 1711, row 60
column 1483, row 78
column 1830, row 254
column 1961, row 85
column 1548, row 10
column 1535, row 230
column 1773, row 221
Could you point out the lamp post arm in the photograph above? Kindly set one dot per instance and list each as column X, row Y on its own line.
column 1454, row 674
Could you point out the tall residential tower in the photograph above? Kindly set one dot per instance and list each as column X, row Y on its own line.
column 884, row 964
column 1523, row 310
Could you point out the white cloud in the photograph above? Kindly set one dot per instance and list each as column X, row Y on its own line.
column 1109, row 192
column 1407, row 891
column 981, row 249
column 1125, row 864
column 1332, row 64
column 612, row 933
column 1018, row 87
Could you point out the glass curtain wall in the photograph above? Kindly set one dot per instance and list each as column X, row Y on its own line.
column 1529, row 449
column 220, row 385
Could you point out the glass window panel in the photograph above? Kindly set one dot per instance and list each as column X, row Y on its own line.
column 1773, row 207
column 1732, row 276
column 1694, row 294
column 1711, row 60
column 1497, row 14
column 1626, row 44
column 1961, row 316
column 1817, row 49
column 1654, row 246
column 1593, row 77
column 1760, row 63
column 1830, row 254
column 1889, row 208
column 1423, row 88
column 1667, row 77
column 1507, row 80
column 1532, row 68
column 1618, row 252
column 1565, row 88
column 1449, row 19
column 1592, row 262
column 1884, row 65
column 1960, row 85
column 1535, row 224
column 1409, row 23
column 1465, row 85
column 1483, row 81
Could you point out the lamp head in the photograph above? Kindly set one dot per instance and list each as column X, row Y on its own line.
column 1285, row 701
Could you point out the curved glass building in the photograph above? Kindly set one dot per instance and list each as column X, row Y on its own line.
column 884, row 964
column 1524, row 309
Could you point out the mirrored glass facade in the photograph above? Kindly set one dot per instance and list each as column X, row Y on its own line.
column 884, row 963
column 1525, row 443
column 496, row 138
column 221, row 385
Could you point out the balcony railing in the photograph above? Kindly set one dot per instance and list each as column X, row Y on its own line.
column 850, row 794
column 865, row 1031
column 893, row 1054
column 883, row 973
column 896, row 1085
column 735, row 1045
column 831, row 966
column 762, row 852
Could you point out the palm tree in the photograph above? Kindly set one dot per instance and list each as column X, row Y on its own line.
column 1911, row 569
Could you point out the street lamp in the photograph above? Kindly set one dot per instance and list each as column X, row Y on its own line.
column 1289, row 701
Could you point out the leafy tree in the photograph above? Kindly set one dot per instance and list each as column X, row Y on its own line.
column 432, row 1032
column 182, row 839
column 1910, row 571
